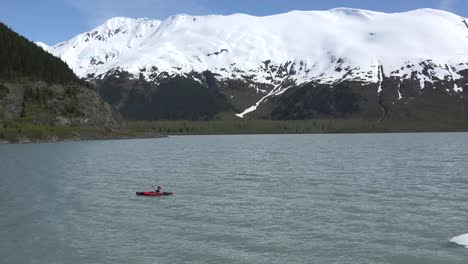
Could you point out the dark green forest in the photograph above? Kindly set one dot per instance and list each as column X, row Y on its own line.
column 21, row 58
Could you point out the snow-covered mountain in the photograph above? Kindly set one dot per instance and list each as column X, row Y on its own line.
column 42, row 45
column 275, row 53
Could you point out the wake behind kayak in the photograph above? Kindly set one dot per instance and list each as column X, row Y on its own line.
column 153, row 193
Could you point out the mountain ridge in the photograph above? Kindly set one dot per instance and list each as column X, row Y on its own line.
column 272, row 54
column 121, row 24
column 39, row 90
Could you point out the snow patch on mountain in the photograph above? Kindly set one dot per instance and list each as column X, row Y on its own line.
column 298, row 46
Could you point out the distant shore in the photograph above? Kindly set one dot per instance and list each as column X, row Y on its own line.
column 24, row 133
column 316, row 126
column 56, row 140
column 45, row 134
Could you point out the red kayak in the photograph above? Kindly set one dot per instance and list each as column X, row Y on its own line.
column 154, row 193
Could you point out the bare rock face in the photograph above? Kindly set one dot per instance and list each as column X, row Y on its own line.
column 95, row 112
column 54, row 104
column 11, row 101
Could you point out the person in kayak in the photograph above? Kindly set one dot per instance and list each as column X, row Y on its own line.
column 159, row 189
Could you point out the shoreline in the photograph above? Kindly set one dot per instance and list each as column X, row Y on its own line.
column 21, row 133
column 25, row 140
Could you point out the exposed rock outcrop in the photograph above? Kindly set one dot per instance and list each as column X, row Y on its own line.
column 55, row 104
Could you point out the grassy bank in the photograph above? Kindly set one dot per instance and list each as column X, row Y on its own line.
column 293, row 127
column 24, row 133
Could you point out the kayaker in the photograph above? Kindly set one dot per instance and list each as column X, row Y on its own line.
column 159, row 189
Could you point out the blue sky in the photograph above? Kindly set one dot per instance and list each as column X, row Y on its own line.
column 52, row 21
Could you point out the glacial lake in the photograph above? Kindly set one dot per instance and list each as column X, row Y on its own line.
column 358, row 198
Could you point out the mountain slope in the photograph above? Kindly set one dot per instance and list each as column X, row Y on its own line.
column 19, row 57
column 40, row 89
column 254, row 60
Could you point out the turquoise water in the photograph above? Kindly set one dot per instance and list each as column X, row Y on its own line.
column 386, row 198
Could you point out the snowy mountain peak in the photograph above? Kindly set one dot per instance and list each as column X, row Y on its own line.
column 117, row 21
column 121, row 26
column 42, row 45
column 302, row 46
column 354, row 12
